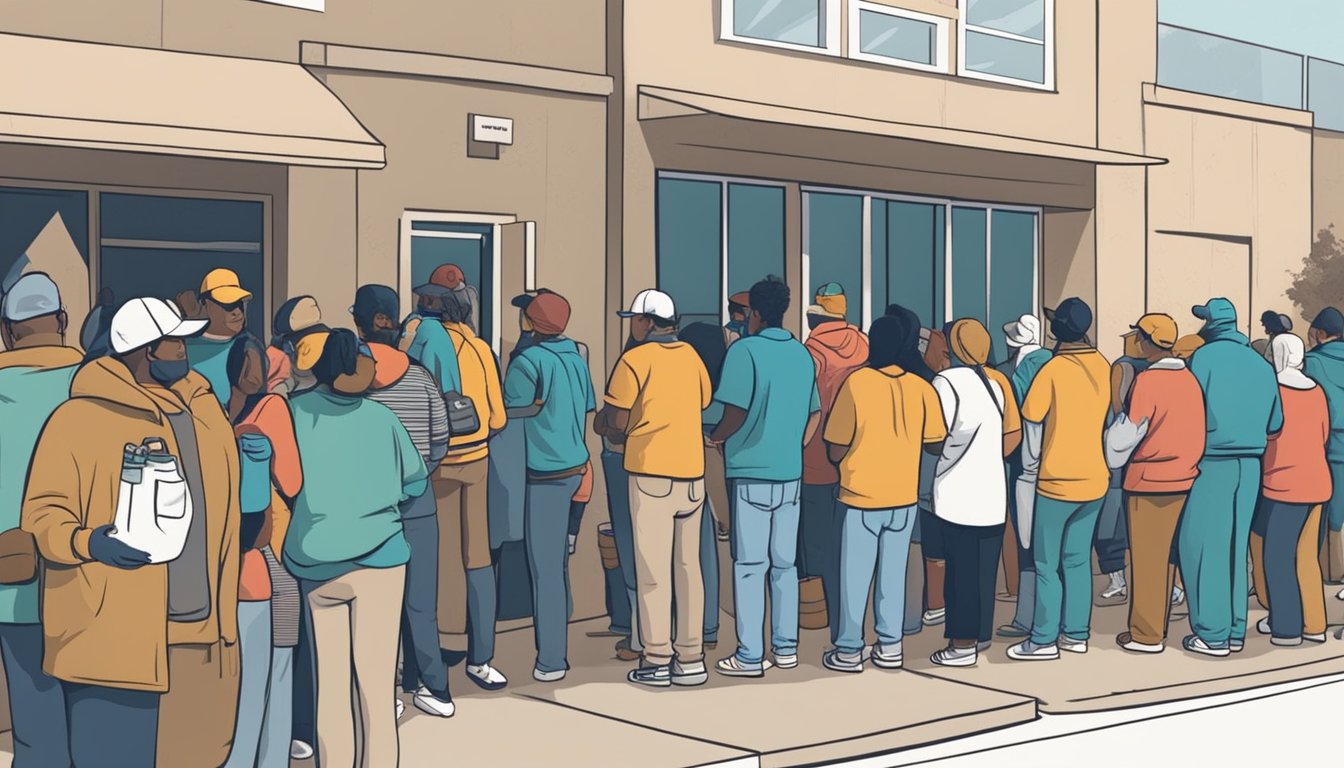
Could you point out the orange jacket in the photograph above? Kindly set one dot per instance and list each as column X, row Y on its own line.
column 837, row 349
column 1295, row 469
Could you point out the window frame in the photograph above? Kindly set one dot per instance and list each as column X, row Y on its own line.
column 723, row 181
column 941, row 24
column 947, row 204
column 830, row 20
column 410, row 216
column 1047, row 46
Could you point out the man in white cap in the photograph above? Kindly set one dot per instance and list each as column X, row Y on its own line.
column 1025, row 358
column 120, row 630
column 35, row 374
column 654, row 399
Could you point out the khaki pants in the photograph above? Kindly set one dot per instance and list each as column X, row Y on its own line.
column 464, row 541
column 1309, row 576
column 1152, row 526
column 665, row 516
column 354, row 620
column 197, row 714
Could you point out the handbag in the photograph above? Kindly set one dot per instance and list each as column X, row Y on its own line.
column 18, row 557
column 463, row 418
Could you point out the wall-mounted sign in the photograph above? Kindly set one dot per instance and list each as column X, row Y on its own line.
column 492, row 130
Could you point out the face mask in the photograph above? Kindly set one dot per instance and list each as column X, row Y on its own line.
column 169, row 372
column 737, row 326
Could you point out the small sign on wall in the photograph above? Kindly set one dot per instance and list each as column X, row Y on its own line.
column 492, row 130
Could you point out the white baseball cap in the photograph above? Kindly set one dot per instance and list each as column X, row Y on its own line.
column 144, row 321
column 651, row 302
column 32, row 295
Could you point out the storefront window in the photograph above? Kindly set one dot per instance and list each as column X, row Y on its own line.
column 969, row 280
column 161, row 246
column 45, row 230
column 835, row 247
column 908, row 258
column 1012, row 271
column 755, row 235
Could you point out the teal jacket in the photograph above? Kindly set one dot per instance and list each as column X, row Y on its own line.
column 553, row 373
column 210, row 358
column 1325, row 365
column 1241, row 393
column 1025, row 372
column 33, row 382
column 359, row 464
column 433, row 348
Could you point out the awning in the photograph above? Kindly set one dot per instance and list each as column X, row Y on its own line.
column 93, row 96
column 665, row 103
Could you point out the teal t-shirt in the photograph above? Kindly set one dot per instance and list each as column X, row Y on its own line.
column 1026, row 371
column 210, row 358
column 554, row 373
column 30, row 395
column 1325, row 365
column 1241, row 397
column 359, row 464
column 772, row 377
column 433, row 348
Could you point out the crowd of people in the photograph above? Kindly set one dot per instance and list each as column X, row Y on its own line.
column 221, row 551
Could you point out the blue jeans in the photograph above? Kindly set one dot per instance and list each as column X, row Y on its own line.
column 36, row 701
column 254, row 646
column 873, row 541
column 765, row 539
column 111, row 727
column 618, row 509
column 547, row 524
column 1061, row 541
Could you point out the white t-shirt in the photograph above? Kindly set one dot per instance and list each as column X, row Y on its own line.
column 970, row 486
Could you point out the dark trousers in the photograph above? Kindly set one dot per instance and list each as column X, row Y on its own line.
column 1282, row 524
column 305, row 686
column 422, row 661
column 111, row 727
column 819, row 545
column 972, row 556
column 1112, row 536
column 36, row 701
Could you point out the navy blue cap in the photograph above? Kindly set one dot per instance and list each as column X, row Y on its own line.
column 1071, row 320
column 1329, row 321
column 371, row 300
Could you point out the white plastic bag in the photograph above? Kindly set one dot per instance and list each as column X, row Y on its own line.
column 153, row 502
column 1122, row 438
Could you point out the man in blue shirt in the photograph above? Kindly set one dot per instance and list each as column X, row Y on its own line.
column 768, row 389
column 550, row 372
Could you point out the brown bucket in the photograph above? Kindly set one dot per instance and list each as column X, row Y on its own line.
column 606, row 544
column 811, row 604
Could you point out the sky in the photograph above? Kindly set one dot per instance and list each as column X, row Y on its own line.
column 1311, row 27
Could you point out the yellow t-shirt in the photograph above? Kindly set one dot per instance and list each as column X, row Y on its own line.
column 1070, row 397
column 885, row 417
column 665, row 387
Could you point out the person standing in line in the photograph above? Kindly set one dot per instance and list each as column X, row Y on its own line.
column 267, row 596
column 298, row 317
column 36, row 369
column 1296, row 481
column 1064, row 479
column 1112, row 537
column 550, row 371
column 883, row 418
column 771, row 410
column 1026, row 358
column 837, row 349
column 654, row 399
column 738, row 310
column 428, row 343
column 450, row 276
column 1158, row 478
column 348, row 549
column 1243, row 408
column 970, row 494
column 1273, row 325
column 412, row 394
column 168, row 695
column 93, row 335
column 224, row 305
column 1324, row 364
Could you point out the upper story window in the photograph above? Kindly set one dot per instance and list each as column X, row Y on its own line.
column 1008, row 41
column 809, row 25
column 890, row 35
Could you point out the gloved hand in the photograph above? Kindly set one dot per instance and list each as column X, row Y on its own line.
column 110, row 551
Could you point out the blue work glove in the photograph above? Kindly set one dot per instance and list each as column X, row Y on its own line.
column 110, row 551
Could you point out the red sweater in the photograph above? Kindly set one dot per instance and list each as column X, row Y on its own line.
column 1295, row 470
column 1167, row 461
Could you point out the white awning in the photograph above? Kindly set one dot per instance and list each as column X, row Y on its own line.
column 93, row 96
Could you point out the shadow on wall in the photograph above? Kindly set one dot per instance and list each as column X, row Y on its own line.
column 1320, row 284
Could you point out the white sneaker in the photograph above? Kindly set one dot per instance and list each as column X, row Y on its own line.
column 955, row 657
column 430, row 704
column 1196, row 644
column 1320, row 638
column 935, row 617
column 1126, row 640
column 838, row 661
column 486, row 676
column 573, row 543
column 1340, row 595
column 689, row 674
column 1178, row 596
column 548, row 677
column 786, row 661
column 1029, row 651
column 1262, row 626
column 1072, row 646
column 1117, row 588
column 735, row 667
column 300, row 750
column 401, row 708
column 883, row 658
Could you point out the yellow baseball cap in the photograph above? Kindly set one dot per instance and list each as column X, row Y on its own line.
column 1158, row 327
column 222, row 286
column 309, row 349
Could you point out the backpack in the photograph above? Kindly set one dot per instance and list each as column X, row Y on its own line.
column 463, row 419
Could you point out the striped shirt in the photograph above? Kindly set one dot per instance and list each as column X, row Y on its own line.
column 417, row 403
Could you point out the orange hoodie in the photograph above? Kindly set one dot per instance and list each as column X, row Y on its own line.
column 837, row 349
column 1295, row 469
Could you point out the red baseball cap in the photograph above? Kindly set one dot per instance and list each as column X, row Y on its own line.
column 548, row 313
column 444, row 278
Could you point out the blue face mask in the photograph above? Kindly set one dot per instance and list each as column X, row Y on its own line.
column 169, row 372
